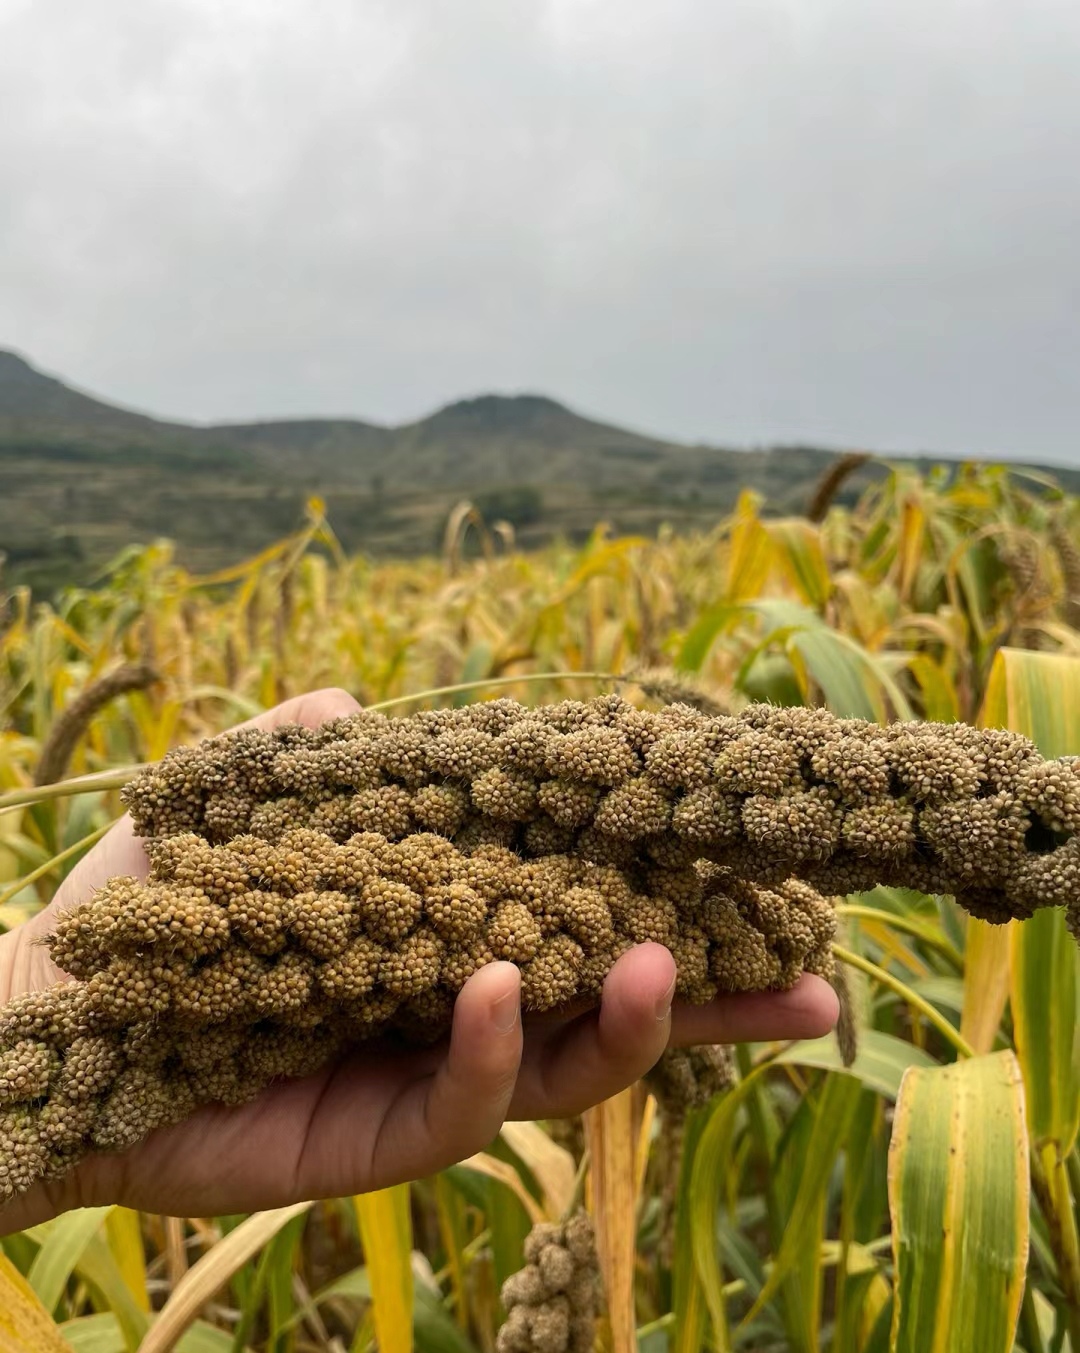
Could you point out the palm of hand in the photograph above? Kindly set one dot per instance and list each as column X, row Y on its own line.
column 380, row 1117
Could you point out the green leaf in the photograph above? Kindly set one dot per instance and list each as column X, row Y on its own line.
column 211, row 1272
column 858, row 1282
column 280, row 1257
column 204, row 1338
column 711, row 1163
column 63, row 1247
column 880, row 1064
column 477, row 664
column 101, row 1333
column 855, row 683
column 702, row 635
column 799, row 1254
column 850, row 680
column 1046, row 1031
column 509, row 1223
column 95, row 1334
column 959, row 1197
column 98, row 1267
column 434, row 1329
column 269, row 1292
column 355, row 1285
column 878, row 1338
column 770, row 677
column 1038, row 694
column 947, row 993
column 688, row 1298
column 472, row 1187
column 797, row 544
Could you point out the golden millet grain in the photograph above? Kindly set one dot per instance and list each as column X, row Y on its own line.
column 310, row 888
column 803, row 788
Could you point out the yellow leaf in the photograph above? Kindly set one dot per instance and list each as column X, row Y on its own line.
column 551, row 1163
column 124, row 1234
column 494, row 1168
column 1037, row 694
column 25, row 1325
column 386, row 1235
column 911, row 545
column 799, row 552
column 986, row 981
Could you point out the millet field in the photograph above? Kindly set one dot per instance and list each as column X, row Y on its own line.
column 846, row 744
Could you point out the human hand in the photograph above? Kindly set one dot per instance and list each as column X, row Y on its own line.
column 379, row 1117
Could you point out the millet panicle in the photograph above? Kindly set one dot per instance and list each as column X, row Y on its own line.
column 312, row 888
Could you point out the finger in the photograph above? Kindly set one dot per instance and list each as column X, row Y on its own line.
column 601, row 1053
column 311, row 709
column 31, row 1209
column 461, row 1107
column 808, row 1010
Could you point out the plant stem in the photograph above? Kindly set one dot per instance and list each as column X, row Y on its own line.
column 50, row 865
column 499, row 681
column 1050, row 1180
column 859, row 912
column 82, row 784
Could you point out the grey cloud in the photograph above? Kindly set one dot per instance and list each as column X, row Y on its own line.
column 740, row 222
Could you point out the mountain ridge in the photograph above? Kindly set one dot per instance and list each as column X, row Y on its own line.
column 54, row 395
column 28, row 392
column 466, row 444
column 84, row 478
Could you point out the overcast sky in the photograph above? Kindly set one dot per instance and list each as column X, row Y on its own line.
column 854, row 222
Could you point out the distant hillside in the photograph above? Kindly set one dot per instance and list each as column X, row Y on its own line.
column 30, row 398
column 492, row 439
column 81, row 478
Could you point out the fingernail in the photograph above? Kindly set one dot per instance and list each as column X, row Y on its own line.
column 663, row 1004
column 504, row 1013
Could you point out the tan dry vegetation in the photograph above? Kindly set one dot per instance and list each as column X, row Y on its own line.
column 941, row 603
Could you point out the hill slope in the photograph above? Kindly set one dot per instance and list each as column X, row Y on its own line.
column 82, row 479
column 29, row 399
column 491, row 439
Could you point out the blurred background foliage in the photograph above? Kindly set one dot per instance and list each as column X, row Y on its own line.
column 924, row 1198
